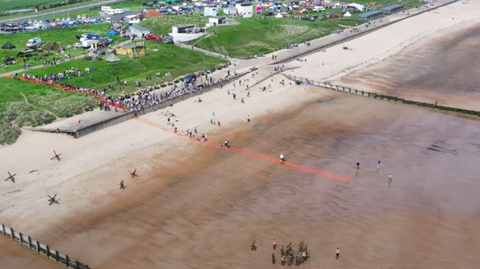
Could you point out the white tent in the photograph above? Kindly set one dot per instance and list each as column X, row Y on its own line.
column 347, row 14
column 279, row 15
column 112, row 58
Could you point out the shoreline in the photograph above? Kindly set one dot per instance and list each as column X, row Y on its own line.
column 197, row 198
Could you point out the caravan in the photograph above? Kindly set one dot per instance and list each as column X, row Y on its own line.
column 105, row 8
column 118, row 11
column 110, row 12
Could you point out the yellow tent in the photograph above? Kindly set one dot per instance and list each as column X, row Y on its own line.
column 122, row 51
column 131, row 55
column 143, row 53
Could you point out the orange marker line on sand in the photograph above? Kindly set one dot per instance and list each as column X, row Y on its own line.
column 257, row 155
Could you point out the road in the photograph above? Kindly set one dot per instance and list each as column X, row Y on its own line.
column 58, row 12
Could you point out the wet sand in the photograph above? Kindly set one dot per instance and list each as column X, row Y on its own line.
column 443, row 68
column 13, row 256
column 205, row 211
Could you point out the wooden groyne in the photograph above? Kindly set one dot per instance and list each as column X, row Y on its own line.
column 41, row 249
column 338, row 88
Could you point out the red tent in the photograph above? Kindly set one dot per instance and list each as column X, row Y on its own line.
column 152, row 13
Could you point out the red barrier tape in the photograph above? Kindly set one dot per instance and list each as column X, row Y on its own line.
column 255, row 155
column 71, row 89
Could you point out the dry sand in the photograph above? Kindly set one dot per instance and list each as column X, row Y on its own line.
column 197, row 206
column 438, row 43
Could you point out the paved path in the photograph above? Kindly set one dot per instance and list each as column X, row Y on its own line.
column 58, row 12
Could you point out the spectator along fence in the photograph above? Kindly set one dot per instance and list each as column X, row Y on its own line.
column 42, row 249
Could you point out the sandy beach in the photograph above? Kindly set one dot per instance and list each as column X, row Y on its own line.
column 195, row 205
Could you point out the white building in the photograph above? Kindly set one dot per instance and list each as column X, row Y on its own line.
column 244, row 10
column 183, row 28
column 139, row 31
column 230, row 11
column 184, row 33
column 216, row 20
column 210, row 11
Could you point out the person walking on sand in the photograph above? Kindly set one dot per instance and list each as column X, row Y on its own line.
column 358, row 165
column 274, row 243
column 390, row 178
column 378, row 165
column 248, row 118
column 337, row 253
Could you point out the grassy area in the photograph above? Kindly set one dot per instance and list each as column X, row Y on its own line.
column 163, row 25
column 16, row 4
column 24, row 104
column 255, row 36
column 167, row 58
column 63, row 36
column 134, row 5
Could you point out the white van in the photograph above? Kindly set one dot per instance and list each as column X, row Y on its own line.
column 134, row 21
column 118, row 11
column 318, row 8
column 110, row 12
column 34, row 42
column 108, row 19
column 129, row 17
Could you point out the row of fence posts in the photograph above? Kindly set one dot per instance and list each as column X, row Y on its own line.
column 40, row 248
column 300, row 80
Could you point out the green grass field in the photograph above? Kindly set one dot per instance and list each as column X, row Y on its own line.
column 63, row 36
column 27, row 104
column 163, row 25
column 168, row 58
column 24, row 104
column 255, row 36
column 17, row 4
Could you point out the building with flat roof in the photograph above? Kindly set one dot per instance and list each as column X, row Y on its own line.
column 216, row 20
column 182, row 28
column 371, row 15
column 244, row 10
column 393, row 9
column 210, row 11
column 139, row 31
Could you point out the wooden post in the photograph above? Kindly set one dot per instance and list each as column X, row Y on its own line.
column 67, row 260
column 76, row 264
column 48, row 251
column 29, row 242
column 56, row 255
column 11, row 233
column 3, row 229
column 21, row 239
column 38, row 247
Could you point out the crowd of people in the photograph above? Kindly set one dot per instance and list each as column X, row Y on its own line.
column 138, row 101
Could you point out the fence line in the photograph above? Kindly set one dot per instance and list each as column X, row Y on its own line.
column 40, row 248
column 339, row 88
